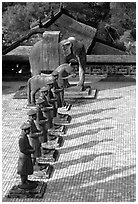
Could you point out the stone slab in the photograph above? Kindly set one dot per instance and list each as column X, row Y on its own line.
column 64, row 117
column 16, row 192
column 88, row 93
column 61, row 121
column 43, row 170
column 61, row 130
column 53, row 144
column 51, row 155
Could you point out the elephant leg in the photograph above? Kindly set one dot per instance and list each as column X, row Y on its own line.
column 81, row 77
column 32, row 98
column 81, row 73
column 82, row 63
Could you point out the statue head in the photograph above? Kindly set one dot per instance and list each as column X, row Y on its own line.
column 25, row 127
column 74, row 64
column 32, row 114
column 68, row 45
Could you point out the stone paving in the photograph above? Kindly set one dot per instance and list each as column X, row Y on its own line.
column 97, row 162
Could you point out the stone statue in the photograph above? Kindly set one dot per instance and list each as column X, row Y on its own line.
column 34, row 135
column 25, row 165
column 74, row 49
column 58, row 91
column 44, row 118
column 50, row 97
column 35, row 83
column 48, row 108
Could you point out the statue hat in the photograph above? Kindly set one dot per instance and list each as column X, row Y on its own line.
column 25, row 126
column 32, row 112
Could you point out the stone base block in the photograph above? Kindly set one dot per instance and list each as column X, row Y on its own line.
column 53, row 144
column 58, row 129
column 86, row 94
column 61, row 121
column 17, row 192
column 43, row 170
column 56, row 137
column 48, row 155
column 67, row 118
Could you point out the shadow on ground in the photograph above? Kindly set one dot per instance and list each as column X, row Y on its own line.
column 87, row 132
column 93, row 112
column 93, row 81
column 91, row 121
column 78, row 102
column 84, row 145
column 102, row 185
column 83, row 159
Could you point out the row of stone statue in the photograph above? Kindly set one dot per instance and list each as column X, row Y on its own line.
column 59, row 77
column 48, row 115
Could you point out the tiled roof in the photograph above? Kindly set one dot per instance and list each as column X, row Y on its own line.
column 21, row 50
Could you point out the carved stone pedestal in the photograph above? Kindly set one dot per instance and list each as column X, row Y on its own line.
column 48, row 156
column 43, row 170
column 74, row 93
column 67, row 107
column 53, row 143
column 38, row 192
column 64, row 117
column 62, row 111
column 56, row 129
column 56, row 138
column 62, row 121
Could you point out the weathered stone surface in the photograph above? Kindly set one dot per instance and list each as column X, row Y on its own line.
column 17, row 192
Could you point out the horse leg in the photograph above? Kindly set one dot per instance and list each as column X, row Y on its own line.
column 62, row 98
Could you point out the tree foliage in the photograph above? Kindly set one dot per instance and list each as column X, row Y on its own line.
column 18, row 16
column 90, row 13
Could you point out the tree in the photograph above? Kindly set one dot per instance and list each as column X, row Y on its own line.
column 120, row 16
column 90, row 13
column 123, row 16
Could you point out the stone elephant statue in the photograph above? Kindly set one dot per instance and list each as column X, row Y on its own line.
column 72, row 48
column 35, row 83
column 49, row 53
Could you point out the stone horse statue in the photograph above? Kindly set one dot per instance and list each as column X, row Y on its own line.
column 36, row 82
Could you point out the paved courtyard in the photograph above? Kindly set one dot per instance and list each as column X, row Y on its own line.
column 97, row 161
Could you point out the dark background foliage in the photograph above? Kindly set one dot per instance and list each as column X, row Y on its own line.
column 117, row 17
